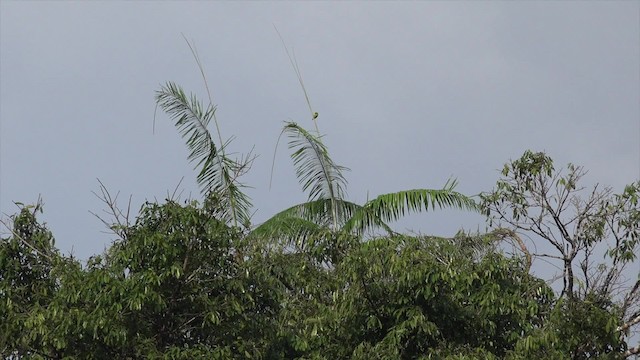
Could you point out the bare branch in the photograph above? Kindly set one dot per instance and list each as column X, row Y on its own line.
column 120, row 219
column 503, row 233
column 631, row 351
column 629, row 324
column 630, row 296
column 173, row 197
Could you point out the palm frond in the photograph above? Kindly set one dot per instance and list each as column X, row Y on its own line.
column 319, row 212
column 191, row 119
column 315, row 170
column 393, row 206
column 306, row 221
column 284, row 231
column 365, row 219
column 218, row 174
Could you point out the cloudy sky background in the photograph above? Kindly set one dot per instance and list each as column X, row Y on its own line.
column 409, row 94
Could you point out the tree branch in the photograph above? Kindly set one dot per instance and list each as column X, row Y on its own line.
column 631, row 351
column 629, row 324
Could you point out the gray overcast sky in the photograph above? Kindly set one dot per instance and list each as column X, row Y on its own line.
column 409, row 94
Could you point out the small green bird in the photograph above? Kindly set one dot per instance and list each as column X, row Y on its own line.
column 315, row 115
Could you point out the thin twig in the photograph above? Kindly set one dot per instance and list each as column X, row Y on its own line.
column 296, row 69
column 121, row 219
column 194, row 52
column 172, row 197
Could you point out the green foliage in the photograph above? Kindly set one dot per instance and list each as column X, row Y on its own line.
column 172, row 288
column 183, row 284
column 406, row 297
column 328, row 214
column 393, row 206
column 326, row 218
column 219, row 174
column 576, row 329
column 26, row 260
column 624, row 213
column 193, row 282
column 315, row 169
column 593, row 236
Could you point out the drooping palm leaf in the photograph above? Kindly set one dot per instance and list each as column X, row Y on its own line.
column 218, row 174
column 393, row 206
column 314, row 215
column 289, row 231
column 315, row 170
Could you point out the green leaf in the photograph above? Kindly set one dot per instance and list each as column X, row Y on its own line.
column 393, row 206
column 218, row 174
column 315, row 170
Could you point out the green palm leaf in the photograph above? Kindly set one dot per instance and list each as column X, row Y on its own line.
column 218, row 174
column 315, row 170
column 393, row 206
column 304, row 222
column 319, row 211
column 285, row 232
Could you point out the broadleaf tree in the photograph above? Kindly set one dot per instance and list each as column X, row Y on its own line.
column 591, row 234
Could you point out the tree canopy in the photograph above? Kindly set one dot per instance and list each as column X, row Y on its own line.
column 181, row 283
column 195, row 279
